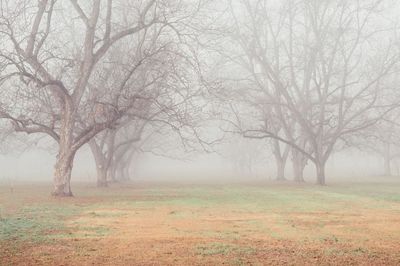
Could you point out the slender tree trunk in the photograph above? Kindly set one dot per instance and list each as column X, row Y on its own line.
column 387, row 160
column 100, row 161
column 112, row 172
column 388, row 171
column 126, row 164
column 124, row 169
column 103, row 159
column 125, row 173
column 121, row 172
column 281, row 159
column 117, row 165
column 280, row 169
column 320, row 167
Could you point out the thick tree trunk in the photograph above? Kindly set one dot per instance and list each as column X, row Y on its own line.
column 298, row 171
column 320, row 167
column 62, row 175
column 65, row 156
column 101, row 176
column 299, row 163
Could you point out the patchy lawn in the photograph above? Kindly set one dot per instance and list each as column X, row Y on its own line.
column 156, row 224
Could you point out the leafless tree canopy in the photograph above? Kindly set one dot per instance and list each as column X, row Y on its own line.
column 306, row 77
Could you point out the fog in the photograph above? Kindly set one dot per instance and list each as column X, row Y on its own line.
column 37, row 165
column 199, row 91
column 199, row 132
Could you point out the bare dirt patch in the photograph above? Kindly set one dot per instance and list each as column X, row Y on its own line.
column 164, row 227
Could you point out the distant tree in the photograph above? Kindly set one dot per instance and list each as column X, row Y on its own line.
column 243, row 154
column 169, row 96
column 307, row 60
column 383, row 140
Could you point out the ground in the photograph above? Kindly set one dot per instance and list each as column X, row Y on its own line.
column 166, row 224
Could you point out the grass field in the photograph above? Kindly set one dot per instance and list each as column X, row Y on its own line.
column 166, row 224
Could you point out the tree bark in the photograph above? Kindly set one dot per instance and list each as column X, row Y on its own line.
column 101, row 177
column 299, row 163
column 100, row 161
column 65, row 156
column 103, row 158
column 62, row 175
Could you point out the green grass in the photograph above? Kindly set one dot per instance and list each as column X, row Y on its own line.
column 44, row 223
column 223, row 249
column 35, row 223
column 268, row 198
column 29, row 214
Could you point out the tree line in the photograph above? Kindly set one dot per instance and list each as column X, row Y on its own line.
column 311, row 77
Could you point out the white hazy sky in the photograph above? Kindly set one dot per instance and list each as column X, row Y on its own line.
column 37, row 164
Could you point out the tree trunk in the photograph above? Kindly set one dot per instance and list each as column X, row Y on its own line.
column 65, row 156
column 298, row 171
column 387, row 160
column 62, row 175
column 101, row 176
column 120, row 172
column 320, row 167
column 126, row 165
column 104, row 159
column 123, row 169
column 281, row 159
column 125, row 173
column 280, row 169
column 102, row 164
column 299, row 163
column 112, row 172
column 100, row 161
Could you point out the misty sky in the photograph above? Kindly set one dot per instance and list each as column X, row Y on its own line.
column 37, row 164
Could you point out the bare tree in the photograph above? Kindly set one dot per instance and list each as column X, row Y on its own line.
column 381, row 139
column 308, row 60
column 50, row 69
column 110, row 148
column 299, row 162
